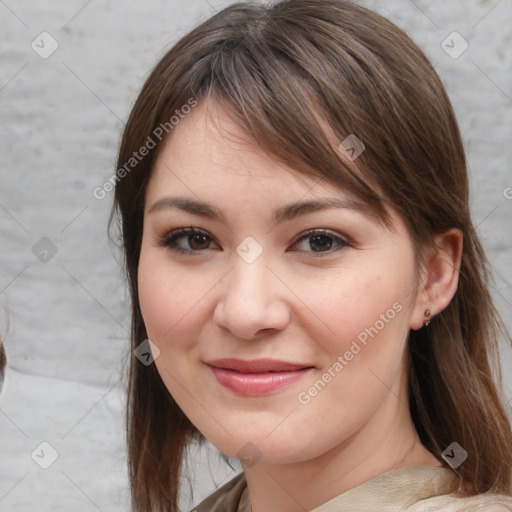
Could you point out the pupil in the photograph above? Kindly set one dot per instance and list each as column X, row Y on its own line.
column 198, row 237
column 322, row 241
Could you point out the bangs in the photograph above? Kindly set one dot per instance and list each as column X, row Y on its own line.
column 282, row 108
column 286, row 94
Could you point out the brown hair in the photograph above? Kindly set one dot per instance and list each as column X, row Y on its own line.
column 3, row 362
column 278, row 68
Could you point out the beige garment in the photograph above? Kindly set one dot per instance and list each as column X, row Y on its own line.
column 411, row 488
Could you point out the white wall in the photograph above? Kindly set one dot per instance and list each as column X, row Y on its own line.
column 61, row 119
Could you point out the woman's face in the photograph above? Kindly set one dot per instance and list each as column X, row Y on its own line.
column 282, row 318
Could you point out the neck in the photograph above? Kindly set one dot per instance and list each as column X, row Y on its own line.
column 385, row 442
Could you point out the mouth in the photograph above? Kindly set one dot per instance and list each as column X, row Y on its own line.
column 257, row 377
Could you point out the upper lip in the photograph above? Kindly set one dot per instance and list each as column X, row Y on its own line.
column 257, row 365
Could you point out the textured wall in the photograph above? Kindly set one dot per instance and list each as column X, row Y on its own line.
column 61, row 117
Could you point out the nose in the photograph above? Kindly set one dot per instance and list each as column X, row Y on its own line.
column 252, row 302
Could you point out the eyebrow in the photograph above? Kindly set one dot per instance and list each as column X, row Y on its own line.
column 282, row 214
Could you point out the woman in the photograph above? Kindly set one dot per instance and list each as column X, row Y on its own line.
column 292, row 194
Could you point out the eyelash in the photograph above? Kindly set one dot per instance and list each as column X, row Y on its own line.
column 169, row 241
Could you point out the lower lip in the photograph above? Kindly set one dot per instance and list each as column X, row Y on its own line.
column 256, row 384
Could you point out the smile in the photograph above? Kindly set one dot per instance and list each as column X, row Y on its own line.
column 257, row 377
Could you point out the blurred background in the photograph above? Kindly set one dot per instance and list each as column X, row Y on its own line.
column 69, row 74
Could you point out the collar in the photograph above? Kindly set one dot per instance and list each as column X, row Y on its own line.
column 394, row 490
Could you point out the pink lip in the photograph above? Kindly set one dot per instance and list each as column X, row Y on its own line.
column 256, row 377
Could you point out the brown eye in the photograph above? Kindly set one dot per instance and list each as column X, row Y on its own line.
column 187, row 241
column 321, row 241
column 198, row 241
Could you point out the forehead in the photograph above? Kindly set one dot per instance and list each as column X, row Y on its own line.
column 208, row 146
column 210, row 158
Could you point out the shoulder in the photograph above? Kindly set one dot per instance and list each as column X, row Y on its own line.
column 225, row 498
column 479, row 503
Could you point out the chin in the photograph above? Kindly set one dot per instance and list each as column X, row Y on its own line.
column 258, row 446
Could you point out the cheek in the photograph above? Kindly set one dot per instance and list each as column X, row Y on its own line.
column 171, row 307
column 359, row 302
column 362, row 358
column 368, row 319
column 168, row 300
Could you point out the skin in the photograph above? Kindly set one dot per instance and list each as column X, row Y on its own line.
column 291, row 303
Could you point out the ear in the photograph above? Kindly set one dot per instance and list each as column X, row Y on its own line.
column 440, row 277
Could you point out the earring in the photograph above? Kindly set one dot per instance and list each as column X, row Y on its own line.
column 427, row 314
